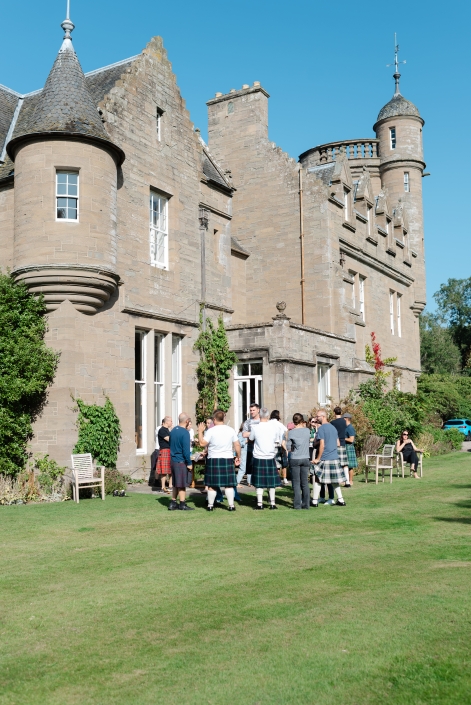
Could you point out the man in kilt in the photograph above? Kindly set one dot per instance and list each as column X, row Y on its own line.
column 341, row 425
column 180, row 458
column 266, row 438
column 164, row 463
column 350, row 434
column 221, row 441
column 254, row 420
column 326, row 464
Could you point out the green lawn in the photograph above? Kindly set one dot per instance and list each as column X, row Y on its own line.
column 122, row 602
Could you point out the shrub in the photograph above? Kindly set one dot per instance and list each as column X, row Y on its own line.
column 454, row 437
column 27, row 368
column 114, row 480
column 99, row 432
column 436, row 441
column 49, row 472
column 448, row 396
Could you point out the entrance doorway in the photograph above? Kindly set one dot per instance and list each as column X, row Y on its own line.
column 248, row 378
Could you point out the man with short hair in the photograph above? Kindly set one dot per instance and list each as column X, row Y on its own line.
column 164, row 463
column 221, row 441
column 350, row 434
column 254, row 420
column 326, row 464
column 341, row 425
column 266, row 438
column 180, row 452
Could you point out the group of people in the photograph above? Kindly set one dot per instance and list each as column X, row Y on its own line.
column 262, row 450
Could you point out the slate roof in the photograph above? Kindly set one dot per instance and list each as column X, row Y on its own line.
column 212, row 171
column 98, row 83
column 324, row 172
column 398, row 105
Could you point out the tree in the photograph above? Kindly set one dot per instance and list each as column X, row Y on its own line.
column 214, row 369
column 27, row 368
column 99, row 432
column 438, row 352
column 454, row 302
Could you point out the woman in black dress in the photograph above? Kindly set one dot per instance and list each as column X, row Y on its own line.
column 409, row 452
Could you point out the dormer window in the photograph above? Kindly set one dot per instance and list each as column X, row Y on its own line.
column 67, row 185
column 392, row 137
column 346, row 204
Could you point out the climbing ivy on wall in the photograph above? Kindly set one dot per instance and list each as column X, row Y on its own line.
column 214, row 369
column 99, row 432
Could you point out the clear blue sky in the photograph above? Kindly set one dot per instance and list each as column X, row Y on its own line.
column 323, row 63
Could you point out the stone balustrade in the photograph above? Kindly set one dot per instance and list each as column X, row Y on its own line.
column 364, row 150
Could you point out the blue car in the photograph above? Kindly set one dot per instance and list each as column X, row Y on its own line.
column 463, row 425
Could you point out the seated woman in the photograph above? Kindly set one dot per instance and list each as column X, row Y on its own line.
column 409, row 452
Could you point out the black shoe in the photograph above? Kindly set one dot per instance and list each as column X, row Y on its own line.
column 173, row 505
column 185, row 508
column 273, row 506
column 210, row 509
column 258, row 506
column 341, row 503
column 232, row 509
column 347, row 484
column 314, row 503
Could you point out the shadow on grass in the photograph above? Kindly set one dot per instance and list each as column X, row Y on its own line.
column 454, row 520
column 199, row 501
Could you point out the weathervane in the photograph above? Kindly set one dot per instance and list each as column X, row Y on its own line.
column 67, row 25
column 396, row 63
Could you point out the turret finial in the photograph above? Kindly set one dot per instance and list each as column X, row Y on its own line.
column 396, row 63
column 68, row 27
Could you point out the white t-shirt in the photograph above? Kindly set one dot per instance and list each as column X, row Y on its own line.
column 192, row 435
column 220, row 439
column 157, row 444
column 265, row 435
column 281, row 428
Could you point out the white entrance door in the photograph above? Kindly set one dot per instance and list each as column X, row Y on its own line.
column 248, row 377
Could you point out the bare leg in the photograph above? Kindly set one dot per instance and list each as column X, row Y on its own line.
column 162, row 482
column 170, row 482
column 350, row 473
column 182, row 495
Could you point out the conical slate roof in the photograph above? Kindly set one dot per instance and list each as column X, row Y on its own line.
column 65, row 105
column 398, row 105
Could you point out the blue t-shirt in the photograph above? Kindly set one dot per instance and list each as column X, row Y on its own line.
column 350, row 431
column 180, row 451
column 330, row 436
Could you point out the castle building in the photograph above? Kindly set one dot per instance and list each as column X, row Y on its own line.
column 114, row 208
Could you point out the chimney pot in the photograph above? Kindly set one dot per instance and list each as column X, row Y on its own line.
column 256, row 83
column 246, row 85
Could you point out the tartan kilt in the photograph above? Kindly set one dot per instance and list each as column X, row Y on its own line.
column 342, row 453
column 220, row 472
column 352, row 456
column 164, row 465
column 265, row 473
column 330, row 472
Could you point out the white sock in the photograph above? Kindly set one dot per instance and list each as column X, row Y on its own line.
column 230, row 496
column 338, row 491
column 316, row 490
column 271, row 493
column 211, row 497
column 259, row 495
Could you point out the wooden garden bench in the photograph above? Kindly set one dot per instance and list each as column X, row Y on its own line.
column 83, row 474
column 381, row 461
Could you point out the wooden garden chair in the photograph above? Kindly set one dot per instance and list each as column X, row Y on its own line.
column 380, row 461
column 83, row 474
column 400, row 462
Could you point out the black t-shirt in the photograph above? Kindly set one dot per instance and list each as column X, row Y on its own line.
column 162, row 435
column 340, row 425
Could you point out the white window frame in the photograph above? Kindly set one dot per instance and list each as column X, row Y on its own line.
column 159, row 378
column 361, row 295
column 242, row 386
column 176, row 377
column 143, row 392
column 392, row 137
column 158, row 227
column 406, row 182
column 323, row 373
column 68, row 172
column 398, row 312
column 346, row 204
column 391, row 311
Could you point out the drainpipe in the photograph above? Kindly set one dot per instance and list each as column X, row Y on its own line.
column 204, row 219
column 301, row 237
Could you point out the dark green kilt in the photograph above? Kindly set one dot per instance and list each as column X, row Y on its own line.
column 352, row 456
column 265, row 473
column 220, row 472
